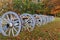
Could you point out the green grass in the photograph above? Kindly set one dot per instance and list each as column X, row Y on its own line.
column 50, row 31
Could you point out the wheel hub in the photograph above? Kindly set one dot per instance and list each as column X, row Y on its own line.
column 10, row 24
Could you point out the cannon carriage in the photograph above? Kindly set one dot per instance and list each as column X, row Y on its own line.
column 11, row 24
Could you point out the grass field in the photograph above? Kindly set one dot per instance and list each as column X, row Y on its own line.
column 50, row 31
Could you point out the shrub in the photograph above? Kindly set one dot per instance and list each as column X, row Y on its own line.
column 27, row 6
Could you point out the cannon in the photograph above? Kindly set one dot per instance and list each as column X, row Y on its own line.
column 11, row 24
column 38, row 19
column 28, row 21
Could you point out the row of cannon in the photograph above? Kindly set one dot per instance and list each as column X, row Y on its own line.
column 11, row 24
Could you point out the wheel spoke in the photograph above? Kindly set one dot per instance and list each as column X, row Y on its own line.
column 16, row 21
column 14, row 29
column 8, row 17
column 16, row 24
column 11, row 17
column 12, row 32
column 6, row 20
column 9, row 32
